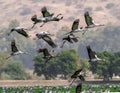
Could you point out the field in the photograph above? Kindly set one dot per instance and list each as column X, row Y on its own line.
column 55, row 86
column 60, row 89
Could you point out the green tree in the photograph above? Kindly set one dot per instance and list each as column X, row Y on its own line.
column 116, row 63
column 103, row 68
column 48, row 69
column 85, row 65
column 65, row 64
column 13, row 70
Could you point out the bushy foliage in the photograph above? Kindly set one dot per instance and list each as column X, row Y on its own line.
column 13, row 70
column 105, row 69
column 64, row 64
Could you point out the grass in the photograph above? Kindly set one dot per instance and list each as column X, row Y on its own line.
column 40, row 89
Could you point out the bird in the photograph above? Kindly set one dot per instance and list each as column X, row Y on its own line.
column 70, row 38
column 45, row 12
column 49, row 16
column 76, row 75
column 19, row 30
column 36, row 20
column 46, row 17
column 15, row 50
column 78, row 88
column 89, row 21
column 47, row 55
column 92, row 55
column 46, row 38
column 75, row 27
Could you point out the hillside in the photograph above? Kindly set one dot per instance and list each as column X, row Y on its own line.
column 103, row 11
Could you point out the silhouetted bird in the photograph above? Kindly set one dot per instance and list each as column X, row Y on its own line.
column 78, row 88
column 15, row 50
column 92, row 55
column 46, row 53
column 36, row 20
column 76, row 73
column 75, row 28
column 45, row 12
column 20, row 31
column 46, row 38
column 70, row 38
column 47, row 17
column 89, row 21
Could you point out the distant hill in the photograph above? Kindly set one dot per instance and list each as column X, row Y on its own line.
column 103, row 11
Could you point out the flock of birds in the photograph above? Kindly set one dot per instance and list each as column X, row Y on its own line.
column 68, row 37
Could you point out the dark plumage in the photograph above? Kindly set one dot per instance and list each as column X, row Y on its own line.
column 79, row 88
column 47, row 38
column 47, row 17
column 70, row 38
column 15, row 50
column 13, row 47
column 89, row 21
column 46, row 53
column 74, row 27
column 92, row 55
column 76, row 73
column 45, row 12
column 20, row 31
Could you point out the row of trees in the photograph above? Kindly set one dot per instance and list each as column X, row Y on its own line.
column 64, row 65
column 69, row 61
column 11, row 69
column 107, row 68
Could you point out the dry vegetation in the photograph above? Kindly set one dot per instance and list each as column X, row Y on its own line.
column 22, row 10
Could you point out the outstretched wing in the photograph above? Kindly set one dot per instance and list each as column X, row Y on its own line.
column 46, row 52
column 13, row 46
column 88, row 19
column 22, row 32
column 75, row 75
column 81, row 77
column 79, row 88
column 45, row 12
column 74, row 38
column 75, row 25
column 33, row 18
column 91, row 53
column 49, row 41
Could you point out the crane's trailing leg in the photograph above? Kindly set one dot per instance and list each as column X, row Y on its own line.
column 42, row 25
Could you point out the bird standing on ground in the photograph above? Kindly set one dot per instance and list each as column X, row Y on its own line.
column 19, row 30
